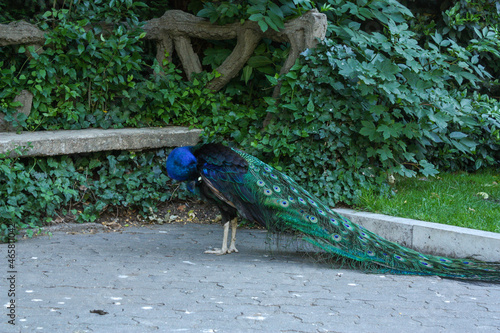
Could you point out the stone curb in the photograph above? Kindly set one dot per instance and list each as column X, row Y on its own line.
column 428, row 237
column 48, row 143
column 425, row 237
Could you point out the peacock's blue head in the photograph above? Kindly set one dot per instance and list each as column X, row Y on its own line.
column 181, row 164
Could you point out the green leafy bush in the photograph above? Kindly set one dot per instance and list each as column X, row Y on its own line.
column 363, row 105
column 474, row 25
column 35, row 190
column 85, row 75
column 9, row 88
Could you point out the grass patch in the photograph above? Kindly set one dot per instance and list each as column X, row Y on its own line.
column 470, row 200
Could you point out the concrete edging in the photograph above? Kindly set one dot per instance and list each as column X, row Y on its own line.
column 428, row 237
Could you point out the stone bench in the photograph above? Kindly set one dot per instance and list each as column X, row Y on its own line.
column 62, row 142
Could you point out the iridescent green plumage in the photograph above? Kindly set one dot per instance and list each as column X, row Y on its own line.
column 238, row 181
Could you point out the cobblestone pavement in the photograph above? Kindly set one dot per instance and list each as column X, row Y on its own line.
column 157, row 279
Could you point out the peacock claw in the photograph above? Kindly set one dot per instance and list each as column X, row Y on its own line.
column 216, row 251
column 221, row 251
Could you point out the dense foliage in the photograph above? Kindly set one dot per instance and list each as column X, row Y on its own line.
column 36, row 190
column 355, row 108
column 392, row 89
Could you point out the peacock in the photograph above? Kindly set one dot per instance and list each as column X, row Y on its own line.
column 240, row 183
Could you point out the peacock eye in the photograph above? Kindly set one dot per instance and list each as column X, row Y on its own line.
column 336, row 237
column 283, row 203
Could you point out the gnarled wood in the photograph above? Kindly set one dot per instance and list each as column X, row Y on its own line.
column 301, row 33
column 188, row 57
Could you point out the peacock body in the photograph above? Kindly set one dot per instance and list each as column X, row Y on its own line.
column 240, row 183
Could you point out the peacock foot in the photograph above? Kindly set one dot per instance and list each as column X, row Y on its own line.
column 222, row 251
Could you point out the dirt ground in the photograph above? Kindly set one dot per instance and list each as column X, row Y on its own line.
column 111, row 221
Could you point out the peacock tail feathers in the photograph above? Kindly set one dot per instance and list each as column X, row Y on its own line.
column 264, row 195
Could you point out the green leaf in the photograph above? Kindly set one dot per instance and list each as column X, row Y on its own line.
column 256, row 17
column 387, row 131
column 257, row 8
column 458, row 135
column 272, row 79
column 259, row 61
column 276, row 20
column 428, row 168
column 247, row 73
column 275, row 9
column 385, row 153
column 291, row 75
column 205, row 12
column 310, row 106
column 368, row 129
column 263, row 25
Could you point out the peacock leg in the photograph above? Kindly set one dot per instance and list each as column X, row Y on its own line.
column 232, row 246
column 222, row 250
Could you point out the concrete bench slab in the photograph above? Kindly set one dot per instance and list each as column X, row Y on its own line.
column 62, row 142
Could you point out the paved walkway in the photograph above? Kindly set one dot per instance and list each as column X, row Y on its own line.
column 157, row 279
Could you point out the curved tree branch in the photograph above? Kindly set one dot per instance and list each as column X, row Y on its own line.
column 301, row 33
column 189, row 59
column 247, row 41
